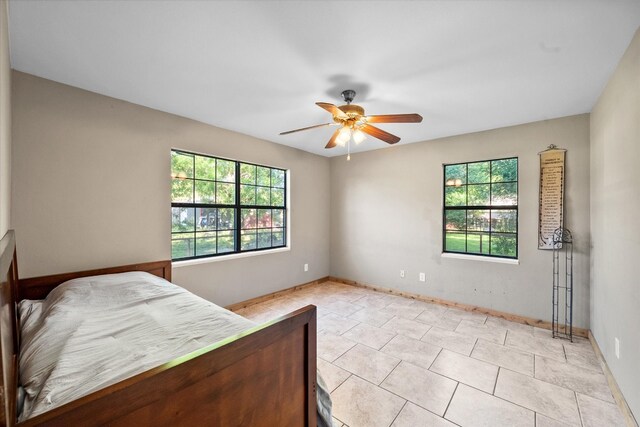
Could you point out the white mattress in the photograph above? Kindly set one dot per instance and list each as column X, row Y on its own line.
column 95, row 331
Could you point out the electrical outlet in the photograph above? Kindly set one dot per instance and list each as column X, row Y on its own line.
column 617, row 342
column 423, row 277
column 306, row 267
column 402, row 273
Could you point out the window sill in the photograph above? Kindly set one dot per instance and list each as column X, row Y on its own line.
column 481, row 258
column 186, row 263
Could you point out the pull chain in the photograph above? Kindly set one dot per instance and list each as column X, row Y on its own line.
column 349, row 150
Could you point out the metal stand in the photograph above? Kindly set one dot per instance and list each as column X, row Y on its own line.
column 562, row 284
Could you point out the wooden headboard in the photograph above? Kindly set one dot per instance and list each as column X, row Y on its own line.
column 39, row 287
column 9, row 336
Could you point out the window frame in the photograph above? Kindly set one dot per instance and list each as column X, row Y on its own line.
column 237, row 207
column 490, row 208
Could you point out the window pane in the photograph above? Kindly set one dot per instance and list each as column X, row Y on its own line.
column 478, row 220
column 277, row 178
column 247, row 174
column 505, row 221
column 247, row 194
column 226, row 218
column 225, row 241
column 225, row 193
column 264, row 218
column 480, row 205
column 504, row 194
column 182, row 190
column 206, row 243
column 248, row 240
column 248, row 217
column 264, row 176
column 218, row 199
column 205, row 168
column 226, row 170
column 206, row 218
column 182, row 245
column 504, row 245
column 277, row 218
column 181, row 165
column 205, row 191
column 278, row 237
column 455, row 242
column 455, row 196
column 264, row 239
column 479, row 173
column 455, row 220
column 182, row 219
column 478, row 243
column 504, row 170
column 262, row 196
column 455, row 175
column 277, row 197
column 479, row 195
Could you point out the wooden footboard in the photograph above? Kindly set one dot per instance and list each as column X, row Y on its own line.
column 265, row 376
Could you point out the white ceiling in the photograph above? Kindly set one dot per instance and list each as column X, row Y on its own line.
column 257, row 67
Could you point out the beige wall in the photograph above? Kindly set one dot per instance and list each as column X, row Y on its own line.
column 5, row 122
column 386, row 216
column 615, row 223
column 92, row 189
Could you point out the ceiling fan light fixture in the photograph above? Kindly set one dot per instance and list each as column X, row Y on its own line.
column 343, row 136
column 358, row 136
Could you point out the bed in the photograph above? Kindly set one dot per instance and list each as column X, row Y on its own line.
column 264, row 375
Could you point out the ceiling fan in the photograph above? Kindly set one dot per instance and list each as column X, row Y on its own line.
column 354, row 124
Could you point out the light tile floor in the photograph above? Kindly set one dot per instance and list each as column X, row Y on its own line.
column 394, row 361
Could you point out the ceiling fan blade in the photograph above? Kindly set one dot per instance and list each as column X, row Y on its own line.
column 335, row 111
column 332, row 142
column 380, row 134
column 307, row 128
column 395, row 118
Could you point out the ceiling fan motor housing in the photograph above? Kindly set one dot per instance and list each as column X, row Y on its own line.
column 352, row 110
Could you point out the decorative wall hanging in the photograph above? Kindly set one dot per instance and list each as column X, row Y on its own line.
column 551, row 206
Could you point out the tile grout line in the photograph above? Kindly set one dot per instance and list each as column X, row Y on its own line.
column 434, row 360
column 493, row 393
column 399, row 412
column 474, row 347
column 575, row 395
column 357, row 324
column 450, row 400
column 390, row 372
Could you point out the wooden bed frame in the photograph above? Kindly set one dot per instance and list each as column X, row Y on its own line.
column 265, row 376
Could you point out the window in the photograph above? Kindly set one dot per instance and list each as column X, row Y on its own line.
column 480, row 214
column 221, row 206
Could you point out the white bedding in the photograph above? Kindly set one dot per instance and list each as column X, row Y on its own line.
column 95, row 331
